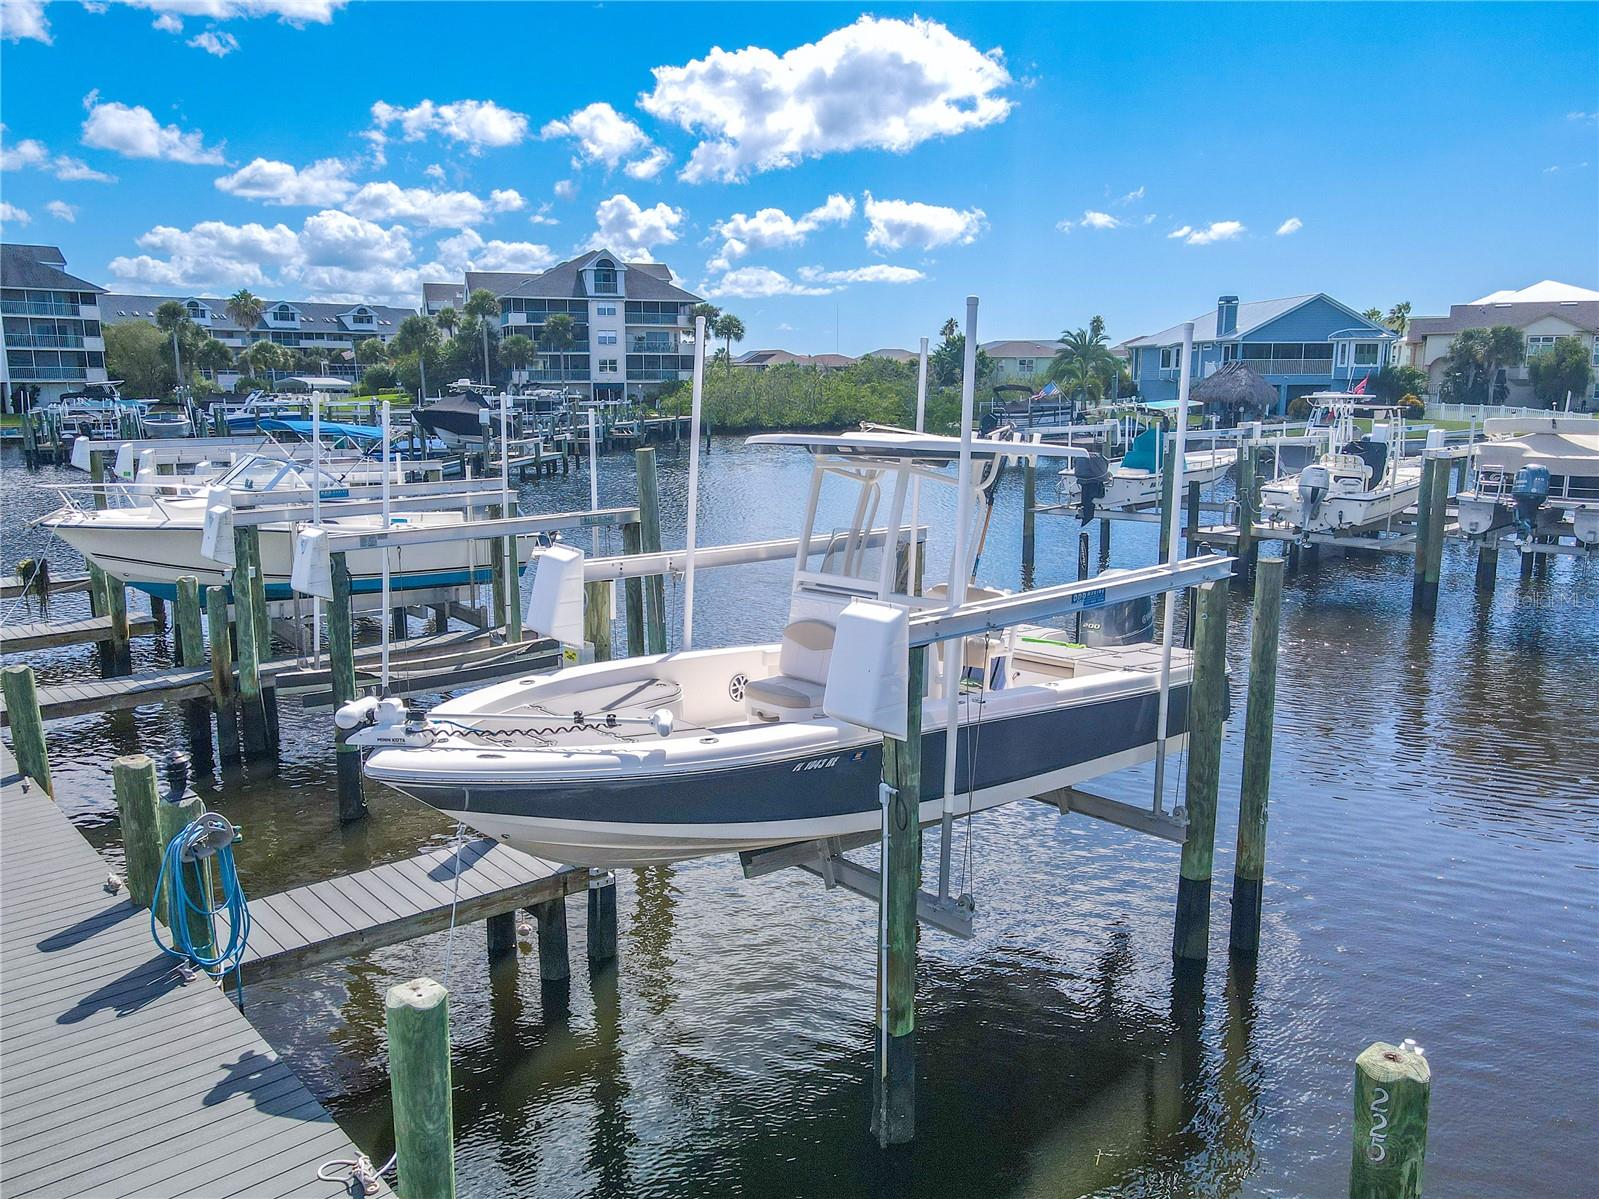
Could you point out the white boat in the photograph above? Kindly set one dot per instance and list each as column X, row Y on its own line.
column 1359, row 482
column 1535, row 472
column 158, row 538
column 663, row 758
column 1136, row 479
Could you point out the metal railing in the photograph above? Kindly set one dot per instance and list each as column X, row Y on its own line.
column 44, row 341
column 45, row 374
column 41, row 308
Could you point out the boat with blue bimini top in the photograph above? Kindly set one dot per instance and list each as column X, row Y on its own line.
column 673, row 756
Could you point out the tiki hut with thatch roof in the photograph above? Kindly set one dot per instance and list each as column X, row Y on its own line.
column 1235, row 393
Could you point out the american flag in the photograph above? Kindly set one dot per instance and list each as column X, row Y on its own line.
column 1360, row 388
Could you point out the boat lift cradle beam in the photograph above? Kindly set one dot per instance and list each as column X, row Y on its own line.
column 825, row 858
column 513, row 526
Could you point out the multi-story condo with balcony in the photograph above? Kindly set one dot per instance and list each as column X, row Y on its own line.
column 327, row 333
column 53, row 342
column 630, row 329
column 1299, row 345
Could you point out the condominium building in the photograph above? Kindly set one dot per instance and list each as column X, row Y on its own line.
column 53, row 342
column 631, row 330
column 326, row 332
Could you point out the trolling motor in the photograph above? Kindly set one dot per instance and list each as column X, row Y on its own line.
column 1091, row 472
column 373, row 721
column 1529, row 492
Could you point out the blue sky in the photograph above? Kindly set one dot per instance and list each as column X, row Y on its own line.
column 841, row 178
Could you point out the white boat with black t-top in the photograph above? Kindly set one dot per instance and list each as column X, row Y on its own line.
column 680, row 755
column 1362, row 480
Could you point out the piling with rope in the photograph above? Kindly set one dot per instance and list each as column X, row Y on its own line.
column 224, row 693
column 1393, row 1089
column 1249, row 868
column 174, row 812
column 1207, row 708
column 27, row 725
column 417, row 1016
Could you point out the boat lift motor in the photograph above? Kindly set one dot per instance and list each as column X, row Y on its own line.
column 1529, row 492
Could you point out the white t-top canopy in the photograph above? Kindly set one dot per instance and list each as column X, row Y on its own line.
column 884, row 443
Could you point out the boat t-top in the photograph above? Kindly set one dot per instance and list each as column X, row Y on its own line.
column 1360, row 481
column 1534, row 472
column 672, row 756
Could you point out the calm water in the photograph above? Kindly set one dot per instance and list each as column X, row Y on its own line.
column 1431, row 874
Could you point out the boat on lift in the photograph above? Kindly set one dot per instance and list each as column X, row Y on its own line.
column 458, row 419
column 1534, row 472
column 673, row 756
column 1360, row 481
column 1135, row 480
column 158, row 536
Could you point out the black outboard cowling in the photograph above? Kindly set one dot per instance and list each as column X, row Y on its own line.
column 1128, row 623
column 1529, row 491
column 1091, row 472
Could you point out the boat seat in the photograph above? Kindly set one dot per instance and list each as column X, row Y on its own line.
column 795, row 691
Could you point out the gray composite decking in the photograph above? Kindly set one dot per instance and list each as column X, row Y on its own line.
column 120, row 1079
column 46, row 634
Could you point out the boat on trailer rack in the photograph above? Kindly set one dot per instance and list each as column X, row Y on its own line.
column 681, row 755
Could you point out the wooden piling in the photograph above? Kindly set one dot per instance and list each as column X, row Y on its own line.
column 554, row 963
column 96, row 589
column 257, row 593
column 1249, row 869
column 120, row 654
column 894, row 1089
column 417, row 1015
column 134, row 783
column 597, row 618
column 224, row 695
column 649, row 512
column 513, row 592
column 172, row 816
column 1029, row 518
column 1207, row 705
column 1168, row 495
column 1418, row 564
column 1191, row 521
column 1104, row 543
column 1430, row 534
column 1393, row 1089
column 501, row 933
column 27, row 725
column 633, row 592
column 497, row 572
column 252, row 709
column 1487, row 565
column 191, row 652
column 601, row 918
column 341, row 658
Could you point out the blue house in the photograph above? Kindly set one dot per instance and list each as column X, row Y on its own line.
column 1299, row 345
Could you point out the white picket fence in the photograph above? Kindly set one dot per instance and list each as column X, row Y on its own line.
column 1477, row 412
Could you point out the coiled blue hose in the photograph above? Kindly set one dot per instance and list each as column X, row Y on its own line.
column 192, row 897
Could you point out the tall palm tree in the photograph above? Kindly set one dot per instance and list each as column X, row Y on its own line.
column 1373, row 314
column 417, row 335
column 1399, row 317
column 246, row 308
column 1083, row 354
column 709, row 311
column 517, row 350
column 730, row 329
column 447, row 318
column 171, row 317
column 485, row 306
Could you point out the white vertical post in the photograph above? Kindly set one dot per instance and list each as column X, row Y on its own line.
column 1169, row 553
column 959, row 568
column 693, row 481
column 316, row 517
column 914, row 551
column 387, row 465
column 594, row 474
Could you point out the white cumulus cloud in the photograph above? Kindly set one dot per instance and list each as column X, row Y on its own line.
column 633, row 232
column 770, row 228
column 468, row 251
column 757, row 282
column 879, row 272
column 25, row 19
column 1091, row 220
column 212, row 42
column 877, row 84
column 324, row 182
column 1215, row 231
column 605, row 136
column 896, row 224
column 388, row 201
column 167, row 23
column 1292, row 225
column 506, row 199
column 32, row 154
column 473, row 123
column 11, row 214
column 62, row 211
column 565, row 189
column 134, row 132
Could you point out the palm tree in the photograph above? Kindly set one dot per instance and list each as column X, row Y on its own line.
column 483, row 305
column 1082, row 355
column 417, row 335
column 1373, row 314
column 1399, row 317
column 263, row 357
column 171, row 317
column 709, row 311
column 1080, row 380
column 246, row 308
column 448, row 318
column 556, row 336
column 730, row 329
column 213, row 356
column 517, row 350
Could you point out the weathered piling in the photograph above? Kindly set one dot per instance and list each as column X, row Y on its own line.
column 1104, row 543
column 633, row 592
column 1487, row 565
column 1430, row 534
column 224, row 694
column 252, row 709
column 261, row 625
column 554, row 962
column 497, row 572
column 513, row 592
column 1168, row 496
column 894, row 1080
column 191, row 652
column 96, row 589
column 134, row 783
column 501, row 933
column 341, row 658
column 1207, row 706
column 597, row 618
column 1191, row 520
column 174, row 812
column 27, row 725
column 119, row 651
column 1393, row 1088
column 1029, row 518
column 601, row 917
column 1249, row 869
column 1418, row 565
column 649, row 515
column 1248, row 504
column 417, row 1015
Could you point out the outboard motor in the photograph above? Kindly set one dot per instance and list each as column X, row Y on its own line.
column 1090, row 473
column 1128, row 623
column 1314, row 484
column 1529, row 492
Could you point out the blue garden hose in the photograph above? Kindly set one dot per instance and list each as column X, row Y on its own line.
column 188, row 894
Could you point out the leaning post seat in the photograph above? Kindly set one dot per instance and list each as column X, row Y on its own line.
column 795, row 691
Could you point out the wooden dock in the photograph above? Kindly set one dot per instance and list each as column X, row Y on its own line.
column 11, row 588
column 395, row 902
column 122, row 1079
column 49, row 634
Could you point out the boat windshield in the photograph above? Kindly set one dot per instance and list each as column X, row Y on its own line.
column 257, row 473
